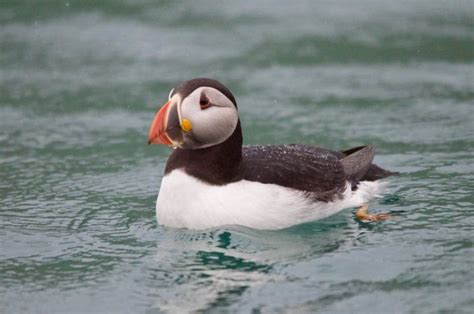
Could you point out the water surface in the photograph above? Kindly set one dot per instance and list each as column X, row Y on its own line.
column 80, row 83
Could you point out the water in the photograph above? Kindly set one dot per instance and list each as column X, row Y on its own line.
column 80, row 83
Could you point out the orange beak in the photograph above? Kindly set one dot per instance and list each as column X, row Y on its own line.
column 157, row 133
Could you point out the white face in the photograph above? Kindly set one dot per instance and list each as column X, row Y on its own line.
column 211, row 114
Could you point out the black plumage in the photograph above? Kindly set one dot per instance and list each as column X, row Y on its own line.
column 320, row 172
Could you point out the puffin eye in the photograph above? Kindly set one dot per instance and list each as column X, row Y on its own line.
column 204, row 102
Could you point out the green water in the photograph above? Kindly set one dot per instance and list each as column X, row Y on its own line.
column 81, row 81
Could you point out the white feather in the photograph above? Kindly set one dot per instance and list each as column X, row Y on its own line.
column 185, row 201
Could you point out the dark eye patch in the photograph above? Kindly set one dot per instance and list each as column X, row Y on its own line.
column 204, row 101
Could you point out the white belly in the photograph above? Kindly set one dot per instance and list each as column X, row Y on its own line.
column 185, row 201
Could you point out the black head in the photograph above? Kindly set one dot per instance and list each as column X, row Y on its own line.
column 187, row 87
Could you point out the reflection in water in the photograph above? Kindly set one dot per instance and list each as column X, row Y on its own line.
column 209, row 267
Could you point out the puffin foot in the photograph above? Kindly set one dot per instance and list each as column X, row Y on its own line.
column 362, row 214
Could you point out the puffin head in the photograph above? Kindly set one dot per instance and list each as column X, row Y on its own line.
column 199, row 113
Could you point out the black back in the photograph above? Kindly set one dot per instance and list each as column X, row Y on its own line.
column 316, row 171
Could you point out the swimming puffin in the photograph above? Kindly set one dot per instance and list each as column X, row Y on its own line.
column 212, row 180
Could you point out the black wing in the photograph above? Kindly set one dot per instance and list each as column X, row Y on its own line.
column 305, row 168
column 319, row 171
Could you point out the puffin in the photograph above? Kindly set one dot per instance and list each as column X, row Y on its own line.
column 211, row 179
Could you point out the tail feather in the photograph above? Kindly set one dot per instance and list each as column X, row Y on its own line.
column 357, row 162
column 376, row 173
column 358, row 166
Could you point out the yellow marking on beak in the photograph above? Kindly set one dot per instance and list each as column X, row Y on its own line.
column 186, row 125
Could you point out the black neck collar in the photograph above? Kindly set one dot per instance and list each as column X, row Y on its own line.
column 215, row 165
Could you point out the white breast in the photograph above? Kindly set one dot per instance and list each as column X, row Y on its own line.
column 185, row 201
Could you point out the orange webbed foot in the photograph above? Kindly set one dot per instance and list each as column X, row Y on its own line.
column 362, row 214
